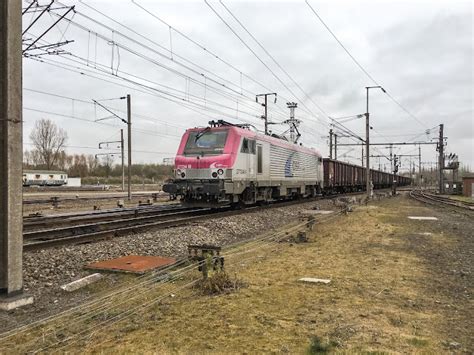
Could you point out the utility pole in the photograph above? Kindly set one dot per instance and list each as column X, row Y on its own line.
column 330, row 143
column 122, row 150
column 362, row 156
column 11, row 158
column 335, row 146
column 367, row 142
column 265, row 105
column 441, row 158
column 395, row 171
column 129, row 126
column 367, row 151
column 419, row 166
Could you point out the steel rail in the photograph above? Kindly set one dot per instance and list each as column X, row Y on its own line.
column 58, row 199
column 96, row 231
column 36, row 222
column 431, row 199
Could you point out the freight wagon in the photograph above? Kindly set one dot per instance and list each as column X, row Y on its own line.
column 342, row 177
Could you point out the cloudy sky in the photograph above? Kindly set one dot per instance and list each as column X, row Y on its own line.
column 183, row 66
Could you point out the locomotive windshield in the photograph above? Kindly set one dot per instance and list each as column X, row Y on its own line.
column 206, row 142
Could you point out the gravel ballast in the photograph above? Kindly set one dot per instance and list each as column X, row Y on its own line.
column 45, row 271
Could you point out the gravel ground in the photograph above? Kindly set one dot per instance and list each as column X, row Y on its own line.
column 46, row 270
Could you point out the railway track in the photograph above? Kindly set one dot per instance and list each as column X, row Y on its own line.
column 39, row 221
column 433, row 199
column 57, row 230
column 58, row 199
column 54, row 231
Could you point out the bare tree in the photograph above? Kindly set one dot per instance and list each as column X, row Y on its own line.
column 92, row 163
column 49, row 141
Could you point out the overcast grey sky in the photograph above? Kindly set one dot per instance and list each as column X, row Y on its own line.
column 420, row 51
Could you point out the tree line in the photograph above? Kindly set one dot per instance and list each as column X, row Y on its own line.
column 49, row 153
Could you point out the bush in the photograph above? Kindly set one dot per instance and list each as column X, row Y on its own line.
column 317, row 346
column 218, row 283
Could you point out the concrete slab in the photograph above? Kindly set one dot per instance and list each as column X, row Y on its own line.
column 317, row 212
column 13, row 302
column 423, row 218
column 77, row 284
column 132, row 263
column 314, row 280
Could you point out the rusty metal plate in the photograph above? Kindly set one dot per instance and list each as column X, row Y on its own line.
column 132, row 263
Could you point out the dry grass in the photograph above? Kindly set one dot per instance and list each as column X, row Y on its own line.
column 219, row 283
column 387, row 294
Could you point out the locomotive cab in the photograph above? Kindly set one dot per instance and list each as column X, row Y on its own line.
column 202, row 165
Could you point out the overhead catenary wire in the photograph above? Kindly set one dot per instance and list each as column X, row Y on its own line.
column 273, row 59
column 115, row 42
column 360, row 65
column 212, row 53
column 319, row 121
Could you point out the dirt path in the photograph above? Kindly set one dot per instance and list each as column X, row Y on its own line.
column 397, row 285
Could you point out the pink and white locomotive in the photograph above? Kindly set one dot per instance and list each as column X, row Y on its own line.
column 226, row 164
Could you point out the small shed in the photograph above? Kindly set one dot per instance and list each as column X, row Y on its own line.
column 468, row 185
column 73, row 182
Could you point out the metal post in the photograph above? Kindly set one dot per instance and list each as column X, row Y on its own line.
column 330, row 144
column 129, row 126
column 441, row 158
column 362, row 156
column 419, row 166
column 367, row 150
column 122, row 148
column 335, row 146
column 265, row 104
column 266, row 116
column 11, row 157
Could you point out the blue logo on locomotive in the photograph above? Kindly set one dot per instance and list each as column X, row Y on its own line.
column 289, row 166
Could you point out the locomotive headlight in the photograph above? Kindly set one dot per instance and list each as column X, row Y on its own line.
column 220, row 171
column 183, row 175
column 214, row 175
column 178, row 172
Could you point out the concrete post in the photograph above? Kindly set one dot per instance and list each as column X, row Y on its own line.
column 11, row 156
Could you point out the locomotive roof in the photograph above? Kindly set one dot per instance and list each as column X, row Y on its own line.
column 251, row 134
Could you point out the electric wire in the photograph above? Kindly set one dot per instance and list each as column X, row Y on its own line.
column 360, row 66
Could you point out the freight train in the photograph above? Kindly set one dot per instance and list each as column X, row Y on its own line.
column 229, row 164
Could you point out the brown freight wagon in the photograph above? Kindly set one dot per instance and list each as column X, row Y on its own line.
column 342, row 177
